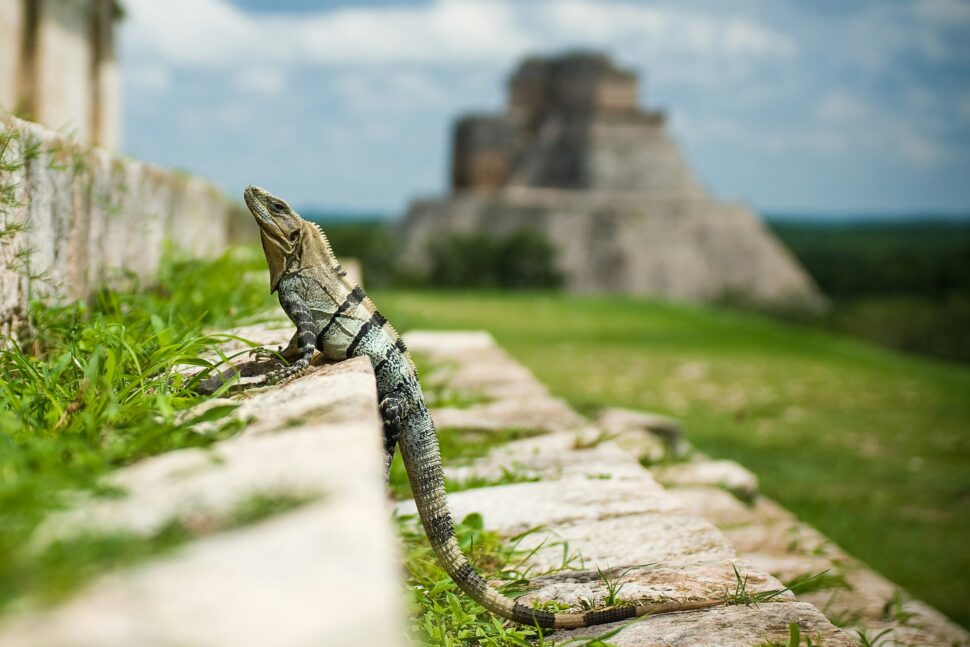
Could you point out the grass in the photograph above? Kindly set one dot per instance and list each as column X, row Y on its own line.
column 870, row 446
column 93, row 388
column 443, row 616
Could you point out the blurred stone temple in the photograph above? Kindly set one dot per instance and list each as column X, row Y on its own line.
column 575, row 158
column 58, row 66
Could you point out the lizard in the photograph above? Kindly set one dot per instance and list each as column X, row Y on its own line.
column 334, row 316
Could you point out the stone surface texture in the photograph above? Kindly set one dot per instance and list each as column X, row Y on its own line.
column 595, row 510
column 575, row 158
column 80, row 217
column 325, row 573
column 582, row 512
column 674, row 532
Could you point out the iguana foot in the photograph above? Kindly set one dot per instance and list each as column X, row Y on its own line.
column 288, row 373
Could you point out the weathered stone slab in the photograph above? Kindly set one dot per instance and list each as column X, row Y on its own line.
column 727, row 626
column 303, row 437
column 540, row 413
column 681, row 581
column 643, row 427
column 587, row 525
column 644, row 538
column 324, row 574
column 554, row 455
column 473, row 362
column 717, row 505
column 513, row 509
column 719, row 473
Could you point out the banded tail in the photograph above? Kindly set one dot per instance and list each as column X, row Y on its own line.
column 422, row 459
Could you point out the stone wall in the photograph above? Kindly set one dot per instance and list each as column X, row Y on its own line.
column 57, row 66
column 73, row 218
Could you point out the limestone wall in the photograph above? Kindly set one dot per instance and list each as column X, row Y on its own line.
column 73, row 218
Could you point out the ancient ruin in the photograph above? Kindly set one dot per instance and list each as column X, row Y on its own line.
column 58, row 67
column 574, row 157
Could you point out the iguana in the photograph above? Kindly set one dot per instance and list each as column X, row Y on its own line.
column 334, row 316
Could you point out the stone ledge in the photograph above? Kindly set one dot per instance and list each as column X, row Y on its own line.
column 729, row 626
column 325, row 573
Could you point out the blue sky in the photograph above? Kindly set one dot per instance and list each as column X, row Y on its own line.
column 827, row 106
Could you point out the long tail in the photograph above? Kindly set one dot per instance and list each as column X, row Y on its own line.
column 422, row 458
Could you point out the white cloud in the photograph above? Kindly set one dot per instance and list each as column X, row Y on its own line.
column 841, row 106
column 151, row 78
column 215, row 33
column 963, row 107
column 945, row 12
column 261, row 80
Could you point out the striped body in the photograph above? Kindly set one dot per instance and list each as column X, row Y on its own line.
column 336, row 318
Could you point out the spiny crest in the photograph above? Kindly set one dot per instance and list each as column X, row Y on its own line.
column 325, row 240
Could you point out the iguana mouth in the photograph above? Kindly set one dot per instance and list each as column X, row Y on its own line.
column 254, row 195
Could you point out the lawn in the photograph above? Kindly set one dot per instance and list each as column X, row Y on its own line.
column 870, row 446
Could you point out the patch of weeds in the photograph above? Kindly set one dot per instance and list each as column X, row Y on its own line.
column 613, row 587
column 669, row 457
column 808, row 582
column 437, row 393
column 840, row 619
column 441, row 615
column 794, row 639
column 582, row 442
column 463, row 445
column 263, row 505
column 597, row 641
column 895, row 610
column 440, row 396
column 601, row 476
column 743, row 596
column 93, row 388
column 881, row 638
column 745, row 496
column 509, row 475
column 63, row 566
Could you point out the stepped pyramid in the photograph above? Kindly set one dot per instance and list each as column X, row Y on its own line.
column 574, row 157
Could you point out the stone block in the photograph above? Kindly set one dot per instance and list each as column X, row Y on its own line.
column 728, row 626
column 325, row 573
column 718, row 473
column 554, row 455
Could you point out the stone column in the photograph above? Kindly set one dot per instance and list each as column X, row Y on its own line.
column 11, row 46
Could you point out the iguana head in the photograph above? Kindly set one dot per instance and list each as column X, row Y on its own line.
column 290, row 243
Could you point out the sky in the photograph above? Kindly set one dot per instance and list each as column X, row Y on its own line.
column 827, row 106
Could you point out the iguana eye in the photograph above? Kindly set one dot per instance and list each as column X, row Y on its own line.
column 276, row 206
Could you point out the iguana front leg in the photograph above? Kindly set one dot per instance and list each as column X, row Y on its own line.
column 303, row 341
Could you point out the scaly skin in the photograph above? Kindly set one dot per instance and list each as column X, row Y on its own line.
column 335, row 317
